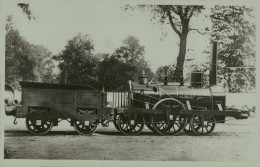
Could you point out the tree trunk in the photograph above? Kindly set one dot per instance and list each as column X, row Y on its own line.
column 181, row 58
column 229, row 83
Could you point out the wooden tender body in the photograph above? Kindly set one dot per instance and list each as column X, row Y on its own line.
column 45, row 104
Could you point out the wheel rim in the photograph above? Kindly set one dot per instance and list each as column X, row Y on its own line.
column 149, row 124
column 150, row 127
column 128, row 129
column 197, row 121
column 187, row 128
column 169, row 127
column 38, row 129
column 80, row 127
column 116, row 122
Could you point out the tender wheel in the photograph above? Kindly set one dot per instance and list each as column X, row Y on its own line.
column 83, row 129
column 164, row 125
column 38, row 127
column 201, row 125
column 127, row 128
column 116, row 122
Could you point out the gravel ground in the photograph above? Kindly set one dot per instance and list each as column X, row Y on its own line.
column 230, row 142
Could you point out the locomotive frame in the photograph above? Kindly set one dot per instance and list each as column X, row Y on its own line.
column 168, row 115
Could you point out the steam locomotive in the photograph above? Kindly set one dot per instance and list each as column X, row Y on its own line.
column 165, row 108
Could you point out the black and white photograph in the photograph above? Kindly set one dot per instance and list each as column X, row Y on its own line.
column 121, row 81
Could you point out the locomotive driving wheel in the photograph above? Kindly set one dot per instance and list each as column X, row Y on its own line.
column 130, row 128
column 84, row 128
column 116, row 122
column 169, row 126
column 187, row 128
column 149, row 125
column 38, row 127
column 202, row 125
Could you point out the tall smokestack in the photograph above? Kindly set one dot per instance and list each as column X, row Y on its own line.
column 213, row 66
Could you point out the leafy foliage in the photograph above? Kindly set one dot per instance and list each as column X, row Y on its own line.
column 77, row 63
column 18, row 64
column 44, row 69
column 113, row 73
column 132, row 54
column 178, row 16
column 160, row 73
column 126, row 63
column 26, row 10
column 235, row 33
column 25, row 61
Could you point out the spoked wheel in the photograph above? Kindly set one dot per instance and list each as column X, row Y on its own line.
column 38, row 127
column 85, row 129
column 202, row 125
column 149, row 125
column 130, row 129
column 164, row 125
column 116, row 122
column 187, row 128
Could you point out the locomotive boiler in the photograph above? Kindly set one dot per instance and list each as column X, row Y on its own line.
column 165, row 108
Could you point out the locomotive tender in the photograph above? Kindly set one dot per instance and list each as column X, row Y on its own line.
column 165, row 108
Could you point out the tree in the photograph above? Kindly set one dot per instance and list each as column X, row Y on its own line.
column 160, row 73
column 43, row 70
column 25, row 61
column 113, row 73
column 179, row 19
column 126, row 63
column 235, row 34
column 19, row 63
column 132, row 54
column 76, row 62
column 25, row 8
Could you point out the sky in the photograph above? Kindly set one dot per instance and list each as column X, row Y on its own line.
column 108, row 25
